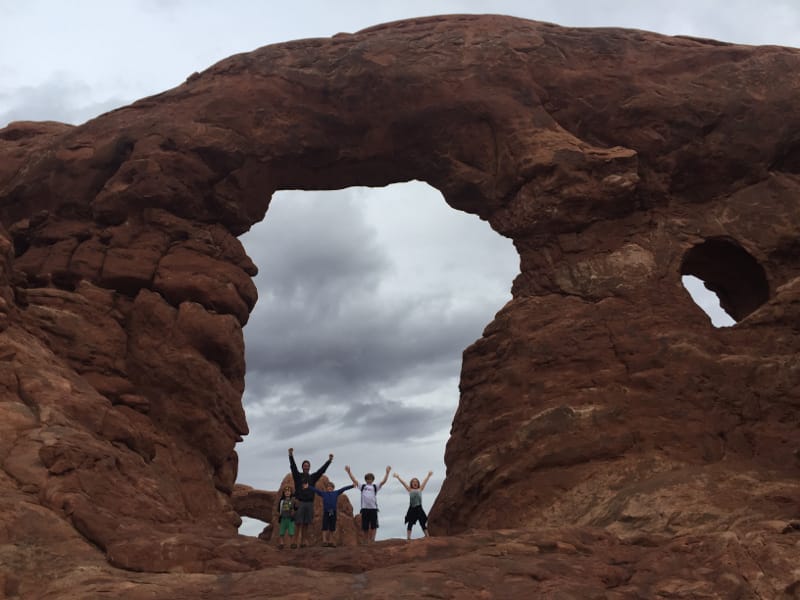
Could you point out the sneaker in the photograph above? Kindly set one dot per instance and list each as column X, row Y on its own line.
column 280, row 546
column 294, row 545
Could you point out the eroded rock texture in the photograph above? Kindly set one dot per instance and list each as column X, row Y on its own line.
column 625, row 446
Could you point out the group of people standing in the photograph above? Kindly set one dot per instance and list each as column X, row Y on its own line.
column 296, row 505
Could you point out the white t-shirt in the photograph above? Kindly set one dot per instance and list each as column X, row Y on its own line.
column 368, row 494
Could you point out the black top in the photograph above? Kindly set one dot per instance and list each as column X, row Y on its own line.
column 300, row 477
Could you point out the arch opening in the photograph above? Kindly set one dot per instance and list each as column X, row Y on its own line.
column 254, row 527
column 367, row 299
column 729, row 272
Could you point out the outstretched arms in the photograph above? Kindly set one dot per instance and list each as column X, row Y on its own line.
column 425, row 481
column 403, row 483
column 386, row 477
column 355, row 481
column 350, row 473
column 293, row 465
column 318, row 473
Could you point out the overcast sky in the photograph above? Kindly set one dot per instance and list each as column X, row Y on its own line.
column 367, row 297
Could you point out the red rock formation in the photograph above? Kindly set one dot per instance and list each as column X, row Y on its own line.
column 600, row 402
column 263, row 505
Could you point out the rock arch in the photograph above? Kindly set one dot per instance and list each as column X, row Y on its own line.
column 730, row 272
column 596, row 397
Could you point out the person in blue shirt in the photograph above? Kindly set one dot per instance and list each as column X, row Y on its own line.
column 330, row 499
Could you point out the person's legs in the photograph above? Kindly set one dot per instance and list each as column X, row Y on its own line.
column 411, row 518
column 365, row 524
column 304, row 516
column 303, row 534
column 375, row 529
column 423, row 522
column 373, row 526
column 326, row 529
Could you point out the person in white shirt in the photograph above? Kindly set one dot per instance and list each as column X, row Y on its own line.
column 369, row 502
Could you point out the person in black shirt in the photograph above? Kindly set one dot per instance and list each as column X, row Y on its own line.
column 304, row 494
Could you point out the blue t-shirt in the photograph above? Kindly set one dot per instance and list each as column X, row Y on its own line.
column 329, row 499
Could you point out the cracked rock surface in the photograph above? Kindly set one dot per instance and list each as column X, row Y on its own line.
column 609, row 442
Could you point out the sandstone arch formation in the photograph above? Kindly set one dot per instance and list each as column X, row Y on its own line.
column 600, row 398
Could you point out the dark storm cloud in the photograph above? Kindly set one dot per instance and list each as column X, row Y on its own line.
column 366, row 344
column 325, row 324
column 315, row 248
column 335, row 338
column 392, row 421
column 386, row 419
column 295, row 423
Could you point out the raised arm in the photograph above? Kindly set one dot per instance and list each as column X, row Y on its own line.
column 350, row 473
column 293, row 465
column 403, row 483
column 425, row 481
column 318, row 473
column 386, row 477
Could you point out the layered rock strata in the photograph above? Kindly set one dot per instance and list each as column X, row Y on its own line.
column 600, row 397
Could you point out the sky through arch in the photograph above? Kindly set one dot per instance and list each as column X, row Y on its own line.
column 367, row 298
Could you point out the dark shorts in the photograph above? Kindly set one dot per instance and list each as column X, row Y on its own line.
column 414, row 514
column 369, row 518
column 304, row 514
column 329, row 520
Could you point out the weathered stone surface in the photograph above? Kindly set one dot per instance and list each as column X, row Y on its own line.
column 635, row 450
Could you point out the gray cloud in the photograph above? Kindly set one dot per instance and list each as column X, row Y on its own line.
column 330, row 322
column 367, row 300
column 315, row 248
column 55, row 100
